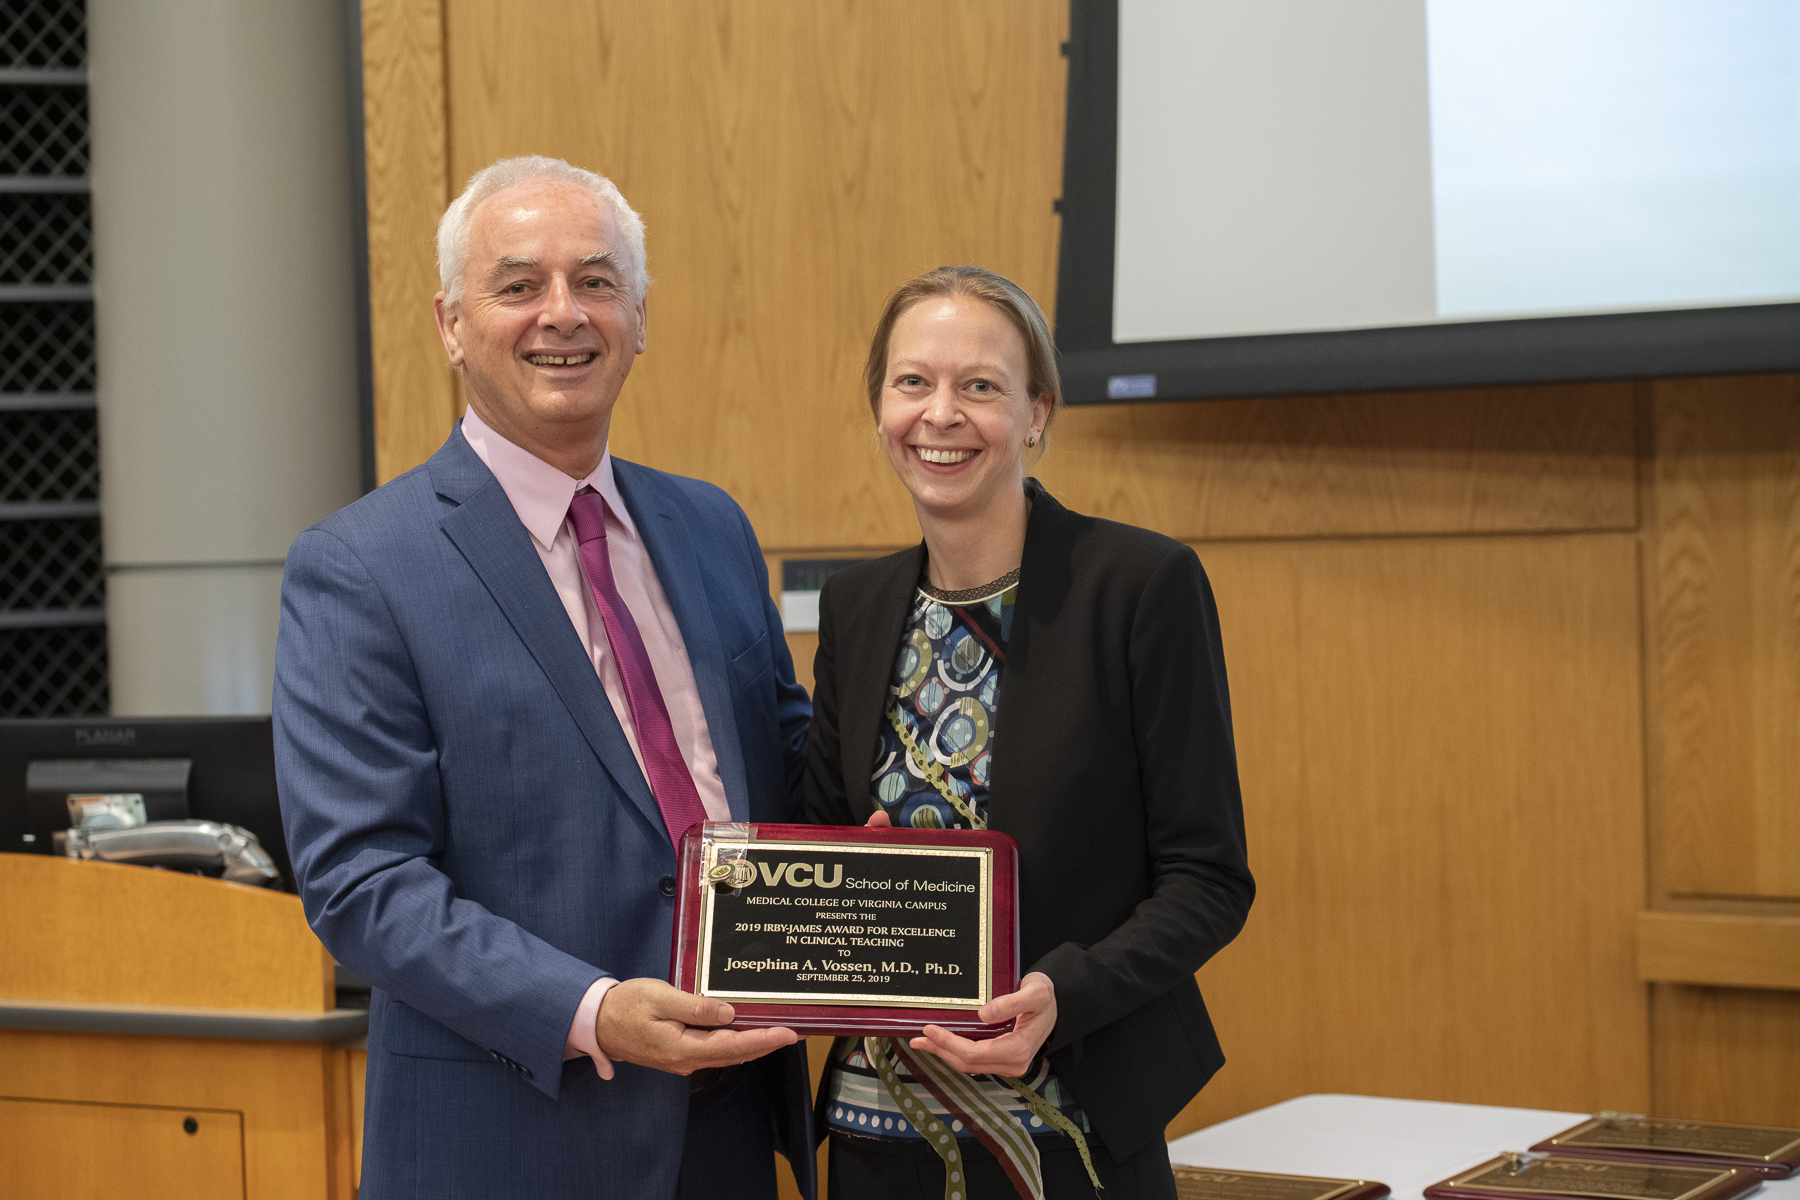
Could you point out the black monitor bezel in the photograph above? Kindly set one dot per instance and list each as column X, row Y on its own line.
column 1725, row 340
column 233, row 778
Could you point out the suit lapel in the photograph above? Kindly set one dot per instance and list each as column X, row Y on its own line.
column 485, row 528
column 866, row 646
column 670, row 543
column 1045, row 577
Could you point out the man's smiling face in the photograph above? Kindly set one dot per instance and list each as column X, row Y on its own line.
column 548, row 324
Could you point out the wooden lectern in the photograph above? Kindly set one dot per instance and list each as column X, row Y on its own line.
column 169, row 1035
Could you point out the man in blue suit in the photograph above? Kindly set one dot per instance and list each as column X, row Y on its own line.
column 506, row 683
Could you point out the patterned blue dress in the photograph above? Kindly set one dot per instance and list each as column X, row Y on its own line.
column 942, row 698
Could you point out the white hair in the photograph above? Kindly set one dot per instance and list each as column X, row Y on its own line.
column 453, row 230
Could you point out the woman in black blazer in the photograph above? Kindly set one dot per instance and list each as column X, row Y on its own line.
column 1059, row 678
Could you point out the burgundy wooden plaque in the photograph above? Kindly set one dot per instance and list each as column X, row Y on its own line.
column 1773, row 1153
column 1559, row 1177
column 1208, row 1183
column 846, row 929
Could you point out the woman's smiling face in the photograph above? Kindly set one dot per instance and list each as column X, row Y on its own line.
column 955, row 406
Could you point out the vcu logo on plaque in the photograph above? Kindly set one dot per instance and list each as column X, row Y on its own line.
column 738, row 873
column 742, row 872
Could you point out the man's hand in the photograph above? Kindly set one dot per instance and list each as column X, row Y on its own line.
column 1010, row 1054
column 650, row 1023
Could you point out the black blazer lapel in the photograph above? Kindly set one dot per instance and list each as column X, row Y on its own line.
column 867, row 640
column 1046, row 574
column 487, row 531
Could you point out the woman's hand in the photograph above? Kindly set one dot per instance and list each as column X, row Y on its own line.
column 1010, row 1054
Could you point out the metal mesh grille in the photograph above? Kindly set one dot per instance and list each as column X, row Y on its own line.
column 43, row 33
column 49, row 456
column 53, row 672
column 52, row 655
column 44, row 238
column 47, row 347
column 51, row 564
column 43, row 131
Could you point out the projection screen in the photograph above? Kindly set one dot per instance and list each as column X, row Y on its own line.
column 1307, row 195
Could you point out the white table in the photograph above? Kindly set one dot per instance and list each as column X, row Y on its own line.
column 1406, row 1144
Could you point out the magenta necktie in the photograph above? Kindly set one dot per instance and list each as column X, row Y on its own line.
column 668, row 774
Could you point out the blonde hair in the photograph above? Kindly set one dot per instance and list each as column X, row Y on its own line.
column 977, row 283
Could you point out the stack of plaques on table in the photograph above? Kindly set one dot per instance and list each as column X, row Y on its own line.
column 1615, row 1137
column 1205, row 1183
column 1617, row 1157
column 1534, row 1176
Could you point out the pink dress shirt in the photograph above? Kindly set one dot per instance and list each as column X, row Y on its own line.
column 540, row 494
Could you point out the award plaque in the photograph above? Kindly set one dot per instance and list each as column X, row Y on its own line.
column 831, row 929
column 1763, row 1150
column 1207, row 1183
column 1535, row 1176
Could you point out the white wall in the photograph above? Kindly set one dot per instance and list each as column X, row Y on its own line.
column 225, row 314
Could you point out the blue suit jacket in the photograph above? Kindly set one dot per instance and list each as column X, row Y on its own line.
column 471, row 833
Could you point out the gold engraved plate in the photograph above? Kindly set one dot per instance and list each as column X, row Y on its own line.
column 846, row 923
column 1205, row 1183
column 1539, row 1176
column 1754, row 1143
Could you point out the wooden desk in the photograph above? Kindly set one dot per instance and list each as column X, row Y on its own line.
column 169, row 1035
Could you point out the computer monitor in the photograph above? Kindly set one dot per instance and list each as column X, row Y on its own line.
column 213, row 768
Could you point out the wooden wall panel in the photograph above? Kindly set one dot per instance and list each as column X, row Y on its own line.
column 1723, row 1054
column 794, row 161
column 1439, row 747
column 404, row 148
column 1471, row 461
column 1725, row 634
column 1738, row 950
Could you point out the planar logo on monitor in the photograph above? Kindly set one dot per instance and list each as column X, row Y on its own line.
column 106, row 736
